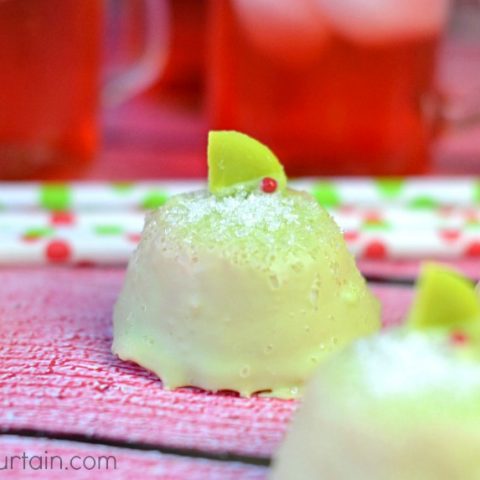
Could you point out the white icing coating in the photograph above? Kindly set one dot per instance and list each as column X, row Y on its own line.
column 397, row 406
column 247, row 292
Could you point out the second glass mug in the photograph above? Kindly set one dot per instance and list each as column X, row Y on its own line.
column 50, row 63
column 332, row 86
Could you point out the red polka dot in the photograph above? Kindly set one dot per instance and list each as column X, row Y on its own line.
column 347, row 209
column 450, row 235
column 133, row 237
column 30, row 238
column 446, row 210
column 58, row 251
column 473, row 250
column 375, row 250
column 269, row 185
column 459, row 338
column 471, row 217
column 62, row 218
column 373, row 217
column 350, row 236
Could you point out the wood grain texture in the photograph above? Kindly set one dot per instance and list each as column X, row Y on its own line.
column 82, row 461
column 57, row 373
column 408, row 269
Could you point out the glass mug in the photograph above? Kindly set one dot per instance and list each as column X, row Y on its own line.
column 181, row 83
column 332, row 86
column 50, row 64
column 182, row 80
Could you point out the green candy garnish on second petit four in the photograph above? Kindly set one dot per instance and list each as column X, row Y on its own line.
column 444, row 298
column 235, row 159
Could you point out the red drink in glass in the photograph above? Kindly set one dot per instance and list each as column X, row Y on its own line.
column 331, row 91
column 183, row 76
column 49, row 75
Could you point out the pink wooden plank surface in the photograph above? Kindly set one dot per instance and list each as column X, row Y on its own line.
column 129, row 463
column 57, row 373
column 408, row 269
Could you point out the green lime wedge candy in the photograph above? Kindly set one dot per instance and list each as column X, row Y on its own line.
column 444, row 298
column 235, row 159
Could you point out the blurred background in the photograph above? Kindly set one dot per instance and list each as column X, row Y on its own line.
column 127, row 89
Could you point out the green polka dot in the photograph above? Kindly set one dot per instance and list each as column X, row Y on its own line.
column 37, row 232
column 154, row 199
column 122, row 187
column 55, row 196
column 390, row 187
column 374, row 225
column 326, row 194
column 108, row 230
column 423, row 203
column 473, row 224
column 476, row 192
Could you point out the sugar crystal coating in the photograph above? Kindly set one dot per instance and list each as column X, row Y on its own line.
column 254, row 224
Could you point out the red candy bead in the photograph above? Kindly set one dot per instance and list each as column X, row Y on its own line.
column 58, row 251
column 269, row 185
column 459, row 338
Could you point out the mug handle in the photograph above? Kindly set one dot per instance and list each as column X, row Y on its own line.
column 459, row 100
column 150, row 64
column 459, row 114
